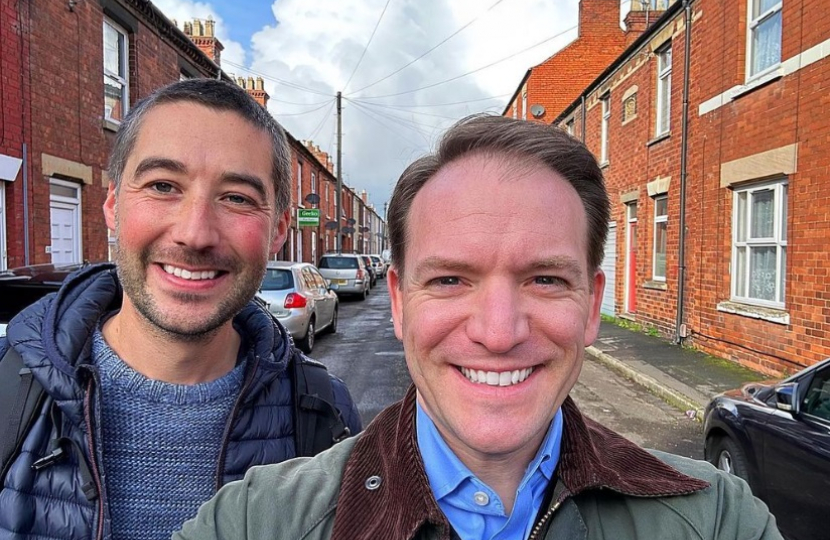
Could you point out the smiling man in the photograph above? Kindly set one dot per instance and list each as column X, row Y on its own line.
column 162, row 378
column 496, row 287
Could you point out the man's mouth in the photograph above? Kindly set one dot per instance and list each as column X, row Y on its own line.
column 496, row 378
column 193, row 275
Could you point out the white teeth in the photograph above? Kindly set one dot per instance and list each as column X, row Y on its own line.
column 497, row 378
column 187, row 274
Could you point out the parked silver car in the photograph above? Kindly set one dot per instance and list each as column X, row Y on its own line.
column 379, row 265
column 346, row 272
column 299, row 297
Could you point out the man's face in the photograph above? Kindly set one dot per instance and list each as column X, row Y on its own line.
column 497, row 284
column 194, row 218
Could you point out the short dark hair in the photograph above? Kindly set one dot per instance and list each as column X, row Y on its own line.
column 217, row 95
column 529, row 142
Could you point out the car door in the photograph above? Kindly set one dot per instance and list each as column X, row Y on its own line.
column 325, row 308
column 797, row 462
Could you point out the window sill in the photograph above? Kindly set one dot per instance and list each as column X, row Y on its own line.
column 757, row 82
column 659, row 138
column 604, row 165
column 778, row 316
column 111, row 125
column 629, row 120
column 656, row 285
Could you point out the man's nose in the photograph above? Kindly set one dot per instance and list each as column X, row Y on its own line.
column 499, row 320
column 196, row 224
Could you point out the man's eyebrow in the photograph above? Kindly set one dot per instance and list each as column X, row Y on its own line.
column 250, row 180
column 167, row 164
column 557, row 263
column 440, row 263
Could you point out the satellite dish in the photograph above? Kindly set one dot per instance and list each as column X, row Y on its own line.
column 537, row 111
column 331, row 225
column 351, row 221
column 347, row 230
column 312, row 198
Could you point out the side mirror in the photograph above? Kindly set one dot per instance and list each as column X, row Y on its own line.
column 786, row 398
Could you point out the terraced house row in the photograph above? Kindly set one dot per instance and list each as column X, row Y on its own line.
column 713, row 133
column 69, row 72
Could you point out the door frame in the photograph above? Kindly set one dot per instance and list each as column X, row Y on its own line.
column 75, row 204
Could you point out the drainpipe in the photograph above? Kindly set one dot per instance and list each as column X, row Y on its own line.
column 583, row 118
column 680, row 328
column 26, row 259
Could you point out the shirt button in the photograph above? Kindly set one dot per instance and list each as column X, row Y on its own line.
column 481, row 498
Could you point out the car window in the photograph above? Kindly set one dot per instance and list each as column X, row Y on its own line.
column 277, row 280
column 376, row 260
column 318, row 279
column 308, row 279
column 338, row 263
column 817, row 400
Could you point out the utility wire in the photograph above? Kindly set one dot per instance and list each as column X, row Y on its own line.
column 366, row 48
column 304, row 112
column 384, row 126
column 475, row 70
column 446, row 39
column 455, row 102
column 316, row 130
column 396, row 118
column 400, row 109
column 278, row 80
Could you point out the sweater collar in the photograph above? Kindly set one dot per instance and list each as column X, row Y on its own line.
column 592, row 457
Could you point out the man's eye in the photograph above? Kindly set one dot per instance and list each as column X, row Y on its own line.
column 162, row 187
column 446, row 281
column 549, row 280
column 238, row 199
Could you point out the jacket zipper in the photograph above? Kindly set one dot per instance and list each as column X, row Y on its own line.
column 559, row 495
column 92, row 456
column 220, row 466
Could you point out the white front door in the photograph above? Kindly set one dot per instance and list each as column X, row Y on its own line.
column 609, row 266
column 65, row 219
column 4, row 258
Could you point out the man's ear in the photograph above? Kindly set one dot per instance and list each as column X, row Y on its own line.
column 280, row 231
column 393, row 283
column 109, row 206
column 595, row 305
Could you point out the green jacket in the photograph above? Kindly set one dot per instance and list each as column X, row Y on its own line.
column 374, row 487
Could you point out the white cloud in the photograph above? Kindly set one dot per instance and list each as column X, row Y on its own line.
column 316, row 45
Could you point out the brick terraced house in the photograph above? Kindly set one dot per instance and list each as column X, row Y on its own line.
column 713, row 133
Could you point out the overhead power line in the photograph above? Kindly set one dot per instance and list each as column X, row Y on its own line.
column 400, row 109
column 278, row 80
column 366, row 48
column 279, row 115
column 446, row 39
column 475, row 70
column 455, row 102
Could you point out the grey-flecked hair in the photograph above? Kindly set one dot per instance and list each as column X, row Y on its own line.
column 526, row 143
column 216, row 95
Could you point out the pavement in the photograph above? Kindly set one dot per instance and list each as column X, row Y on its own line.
column 683, row 377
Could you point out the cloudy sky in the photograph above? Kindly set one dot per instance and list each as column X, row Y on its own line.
column 399, row 95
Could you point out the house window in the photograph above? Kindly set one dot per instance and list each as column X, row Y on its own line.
column 116, row 72
column 759, row 246
column 661, row 222
column 299, row 183
column 313, row 182
column 524, row 106
column 663, row 90
column 569, row 126
column 764, row 35
column 515, row 109
column 606, row 118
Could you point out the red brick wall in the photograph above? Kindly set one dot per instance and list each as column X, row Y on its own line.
column 788, row 110
column 14, row 117
column 66, row 97
column 557, row 81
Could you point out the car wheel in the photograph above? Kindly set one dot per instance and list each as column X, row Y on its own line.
column 307, row 343
column 333, row 325
column 728, row 457
column 363, row 295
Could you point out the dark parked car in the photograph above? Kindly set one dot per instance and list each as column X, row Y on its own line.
column 776, row 436
column 22, row 286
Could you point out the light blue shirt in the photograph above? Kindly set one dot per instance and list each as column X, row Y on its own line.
column 473, row 509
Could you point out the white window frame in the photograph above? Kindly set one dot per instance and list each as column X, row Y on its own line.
column 778, row 240
column 569, row 126
column 605, row 101
column 752, row 24
column 515, row 110
column 124, row 65
column 300, row 184
column 313, row 182
column 524, row 105
column 659, row 219
column 662, row 123
column 4, row 255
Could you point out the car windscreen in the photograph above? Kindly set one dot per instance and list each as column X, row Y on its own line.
column 277, row 280
column 338, row 263
column 376, row 260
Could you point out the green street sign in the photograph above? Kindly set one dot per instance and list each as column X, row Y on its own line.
column 308, row 217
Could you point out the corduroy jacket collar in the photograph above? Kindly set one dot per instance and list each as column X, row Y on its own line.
column 592, row 457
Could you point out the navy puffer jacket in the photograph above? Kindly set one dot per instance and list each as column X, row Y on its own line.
column 67, row 499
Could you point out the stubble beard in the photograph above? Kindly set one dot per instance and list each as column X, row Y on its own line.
column 132, row 272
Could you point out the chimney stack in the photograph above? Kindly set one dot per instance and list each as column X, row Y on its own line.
column 202, row 34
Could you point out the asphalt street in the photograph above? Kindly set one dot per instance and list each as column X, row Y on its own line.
column 365, row 353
